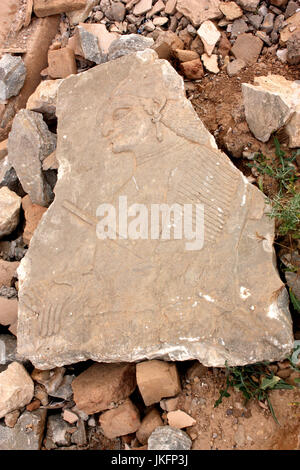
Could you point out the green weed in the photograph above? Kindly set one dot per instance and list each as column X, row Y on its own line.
column 254, row 381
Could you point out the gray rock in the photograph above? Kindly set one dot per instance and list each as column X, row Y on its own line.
column 90, row 46
column 255, row 20
column 235, row 66
column 79, row 436
column 65, row 389
column 271, row 103
column 278, row 23
column 264, row 37
column 268, row 23
column 239, row 26
column 12, row 76
column 293, row 281
column 57, row 432
column 27, row 434
column 293, row 49
column 248, row 5
column 116, row 12
column 291, row 9
column 263, row 10
column 9, row 178
column 274, row 37
column 8, row 351
column 29, row 143
column 128, row 44
column 168, row 438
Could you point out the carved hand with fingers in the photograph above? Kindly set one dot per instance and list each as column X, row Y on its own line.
column 49, row 300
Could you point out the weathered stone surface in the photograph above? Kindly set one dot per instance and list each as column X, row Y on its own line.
column 248, row 5
column 168, row 438
column 105, row 38
column 235, row 67
column 3, row 149
column 169, row 404
column 128, row 44
column 231, row 10
column 55, row 382
column 79, row 436
column 162, row 300
column 120, row 421
column 192, row 69
column 247, row 47
column 150, row 422
column 268, row 23
column 50, row 162
column 78, row 16
column 12, row 418
column 29, row 143
column 157, row 8
column 157, row 380
column 293, row 49
column 43, row 100
column 52, row 7
column 8, row 351
column 198, row 11
column 179, row 419
column 42, row 31
column 166, row 44
column 238, row 27
column 27, row 434
column 255, row 20
column 185, row 56
column 282, row 55
column 33, row 214
column 209, row 35
column 142, row 7
column 57, row 432
column 10, row 204
column 224, row 46
column 16, row 388
column 292, row 27
column 210, row 62
column 170, row 8
column 103, row 384
column 89, row 46
column 9, row 313
column 70, row 416
column 61, row 63
column 12, row 76
column 271, row 103
column 116, row 12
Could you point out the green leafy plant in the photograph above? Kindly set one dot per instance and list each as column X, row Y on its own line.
column 287, row 212
column 280, row 168
column 285, row 205
column 295, row 301
column 254, row 381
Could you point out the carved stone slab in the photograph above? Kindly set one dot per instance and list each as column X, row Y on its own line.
column 125, row 129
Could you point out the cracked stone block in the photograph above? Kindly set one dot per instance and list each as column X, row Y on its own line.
column 127, row 135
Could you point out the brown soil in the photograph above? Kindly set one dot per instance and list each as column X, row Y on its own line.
column 217, row 100
column 234, row 426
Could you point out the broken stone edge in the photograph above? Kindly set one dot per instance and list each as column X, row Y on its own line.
column 209, row 355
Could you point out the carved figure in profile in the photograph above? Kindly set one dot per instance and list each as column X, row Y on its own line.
column 146, row 142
